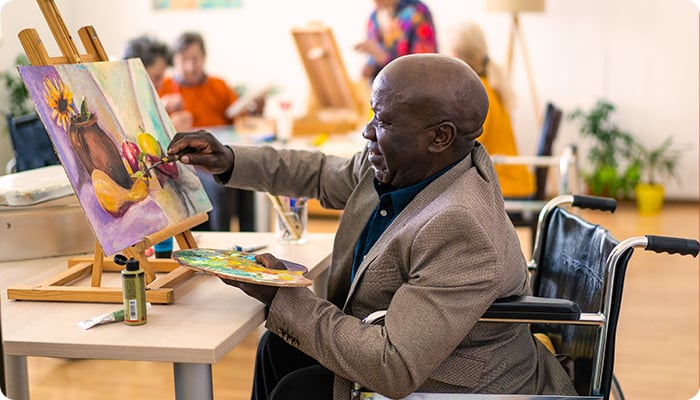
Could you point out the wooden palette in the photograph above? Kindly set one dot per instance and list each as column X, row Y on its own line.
column 242, row 267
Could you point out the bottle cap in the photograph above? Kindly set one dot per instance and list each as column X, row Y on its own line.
column 164, row 249
column 132, row 265
column 120, row 259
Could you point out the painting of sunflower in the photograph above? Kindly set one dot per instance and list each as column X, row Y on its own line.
column 59, row 98
column 104, row 119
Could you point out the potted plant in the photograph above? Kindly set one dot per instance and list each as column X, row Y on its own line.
column 657, row 165
column 20, row 104
column 613, row 170
column 30, row 140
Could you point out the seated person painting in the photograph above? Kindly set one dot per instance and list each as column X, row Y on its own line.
column 424, row 235
column 192, row 95
column 195, row 99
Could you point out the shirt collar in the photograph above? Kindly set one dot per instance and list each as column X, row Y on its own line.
column 400, row 197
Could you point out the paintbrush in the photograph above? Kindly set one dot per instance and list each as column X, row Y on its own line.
column 170, row 158
column 289, row 220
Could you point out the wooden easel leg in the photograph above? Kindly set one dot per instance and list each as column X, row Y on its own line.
column 60, row 32
column 172, row 278
column 68, row 276
column 91, row 43
column 530, row 77
column 97, row 266
column 510, row 46
column 33, row 47
column 186, row 240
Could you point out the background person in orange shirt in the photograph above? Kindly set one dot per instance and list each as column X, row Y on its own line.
column 194, row 99
column 190, row 91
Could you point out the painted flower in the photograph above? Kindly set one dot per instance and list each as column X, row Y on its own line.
column 60, row 99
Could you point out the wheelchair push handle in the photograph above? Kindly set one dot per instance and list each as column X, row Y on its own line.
column 594, row 202
column 672, row 245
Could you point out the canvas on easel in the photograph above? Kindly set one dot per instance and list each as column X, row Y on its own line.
column 109, row 128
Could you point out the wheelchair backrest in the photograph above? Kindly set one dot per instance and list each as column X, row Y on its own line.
column 31, row 143
column 572, row 265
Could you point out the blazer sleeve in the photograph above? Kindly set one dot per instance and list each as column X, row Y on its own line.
column 296, row 173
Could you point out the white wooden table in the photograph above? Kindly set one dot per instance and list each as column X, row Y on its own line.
column 206, row 321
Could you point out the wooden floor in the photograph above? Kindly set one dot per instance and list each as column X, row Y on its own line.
column 657, row 344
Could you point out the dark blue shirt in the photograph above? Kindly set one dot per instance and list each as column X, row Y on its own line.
column 391, row 202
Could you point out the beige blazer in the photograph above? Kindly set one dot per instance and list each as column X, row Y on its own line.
column 436, row 269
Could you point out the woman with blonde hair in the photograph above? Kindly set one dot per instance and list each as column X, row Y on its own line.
column 470, row 46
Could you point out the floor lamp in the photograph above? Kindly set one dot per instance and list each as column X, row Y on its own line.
column 514, row 7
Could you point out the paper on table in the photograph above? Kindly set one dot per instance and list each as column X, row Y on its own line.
column 34, row 186
column 240, row 105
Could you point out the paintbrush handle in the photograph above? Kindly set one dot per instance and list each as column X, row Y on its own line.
column 176, row 157
column 170, row 158
column 288, row 217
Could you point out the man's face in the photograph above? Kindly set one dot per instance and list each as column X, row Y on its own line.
column 189, row 64
column 398, row 137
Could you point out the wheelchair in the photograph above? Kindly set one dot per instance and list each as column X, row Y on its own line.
column 578, row 272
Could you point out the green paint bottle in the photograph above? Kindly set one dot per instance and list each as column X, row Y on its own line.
column 134, row 289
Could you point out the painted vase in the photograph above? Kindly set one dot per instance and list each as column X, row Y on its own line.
column 96, row 150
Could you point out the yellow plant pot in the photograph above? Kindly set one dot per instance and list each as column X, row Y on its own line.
column 650, row 198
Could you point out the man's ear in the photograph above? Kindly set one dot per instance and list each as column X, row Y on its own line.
column 444, row 136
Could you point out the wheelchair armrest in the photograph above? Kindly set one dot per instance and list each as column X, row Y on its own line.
column 534, row 308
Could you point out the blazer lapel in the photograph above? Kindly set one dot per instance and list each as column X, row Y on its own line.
column 350, row 228
column 418, row 204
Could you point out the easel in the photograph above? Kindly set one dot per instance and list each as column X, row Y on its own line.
column 335, row 106
column 159, row 290
column 516, row 31
column 514, row 7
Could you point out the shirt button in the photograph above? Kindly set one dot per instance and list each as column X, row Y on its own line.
column 382, row 213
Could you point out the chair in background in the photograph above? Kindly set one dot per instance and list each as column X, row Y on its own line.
column 31, row 143
column 523, row 211
column 579, row 271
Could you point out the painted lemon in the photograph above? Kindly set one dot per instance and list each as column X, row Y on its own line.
column 115, row 199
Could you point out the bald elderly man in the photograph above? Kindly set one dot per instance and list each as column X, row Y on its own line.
column 424, row 235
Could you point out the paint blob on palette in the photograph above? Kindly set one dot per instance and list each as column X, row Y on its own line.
column 240, row 266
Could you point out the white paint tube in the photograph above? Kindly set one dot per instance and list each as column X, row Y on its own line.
column 114, row 316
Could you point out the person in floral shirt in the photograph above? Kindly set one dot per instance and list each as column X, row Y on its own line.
column 396, row 28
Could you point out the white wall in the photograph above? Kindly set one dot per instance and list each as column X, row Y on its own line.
column 641, row 55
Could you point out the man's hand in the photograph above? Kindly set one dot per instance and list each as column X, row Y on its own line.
column 207, row 151
column 182, row 120
column 172, row 102
column 264, row 294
